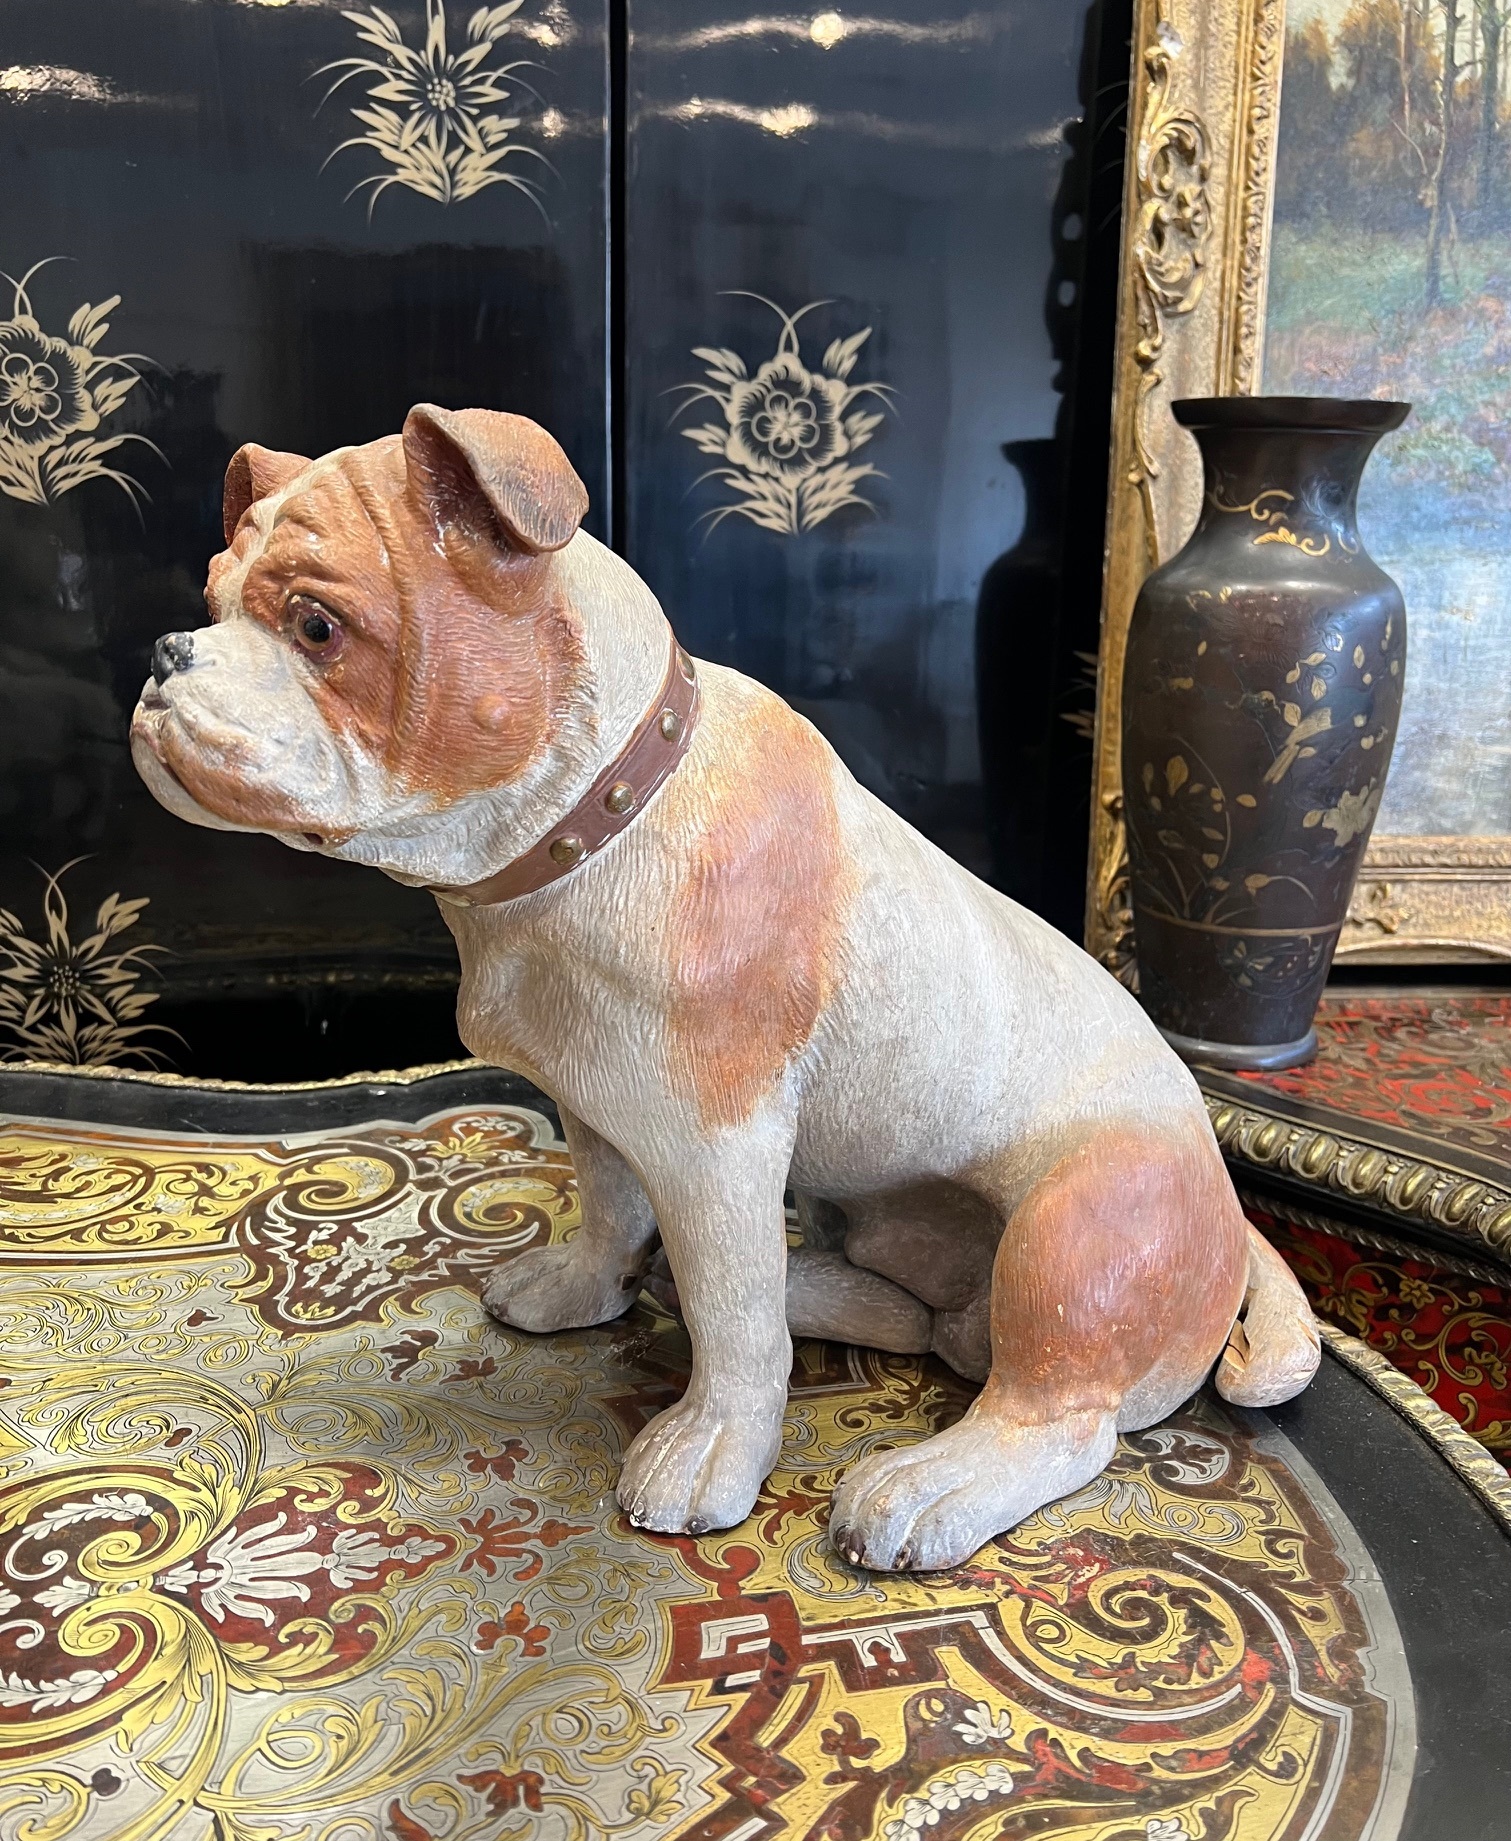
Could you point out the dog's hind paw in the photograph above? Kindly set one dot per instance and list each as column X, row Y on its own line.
column 553, row 1288
column 693, row 1468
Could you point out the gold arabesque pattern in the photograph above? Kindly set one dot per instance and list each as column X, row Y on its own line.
column 297, row 1543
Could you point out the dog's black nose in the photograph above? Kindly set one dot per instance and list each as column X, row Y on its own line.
column 173, row 652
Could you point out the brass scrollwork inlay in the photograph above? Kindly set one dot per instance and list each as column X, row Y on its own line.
column 1466, row 1455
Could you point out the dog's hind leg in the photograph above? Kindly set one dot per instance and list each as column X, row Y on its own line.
column 1275, row 1348
column 822, row 1224
column 595, row 1275
column 829, row 1298
column 1115, row 1285
column 963, row 1338
column 937, row 1241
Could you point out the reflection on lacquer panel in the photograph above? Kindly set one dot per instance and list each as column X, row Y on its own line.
column 840, row 248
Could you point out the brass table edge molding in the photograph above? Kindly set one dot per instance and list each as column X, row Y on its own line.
column 1375, row 1239
column 388, row 1077
column 1467, row 1456
column 1406, row 1187
column 1462, row 1163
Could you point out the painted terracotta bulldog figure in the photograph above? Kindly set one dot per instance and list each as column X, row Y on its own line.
column 737, row 973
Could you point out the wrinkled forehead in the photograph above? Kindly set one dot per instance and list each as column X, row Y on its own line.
column 340, row 520
column 351, row 502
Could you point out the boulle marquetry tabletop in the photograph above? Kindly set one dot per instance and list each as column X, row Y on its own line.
column 299, row 1545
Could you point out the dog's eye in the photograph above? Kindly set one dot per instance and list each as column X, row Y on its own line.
column 315, row 628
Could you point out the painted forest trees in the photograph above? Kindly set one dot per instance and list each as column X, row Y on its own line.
column 1396, row 112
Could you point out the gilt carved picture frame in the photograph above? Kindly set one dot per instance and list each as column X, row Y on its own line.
column 1207, row 136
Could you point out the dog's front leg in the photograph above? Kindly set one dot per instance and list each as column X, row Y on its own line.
column 701, row 1463
column 596, row 1274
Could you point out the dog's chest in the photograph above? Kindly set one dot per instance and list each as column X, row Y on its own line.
column 501, row 1018
column 542, row 1006
column 498, row 997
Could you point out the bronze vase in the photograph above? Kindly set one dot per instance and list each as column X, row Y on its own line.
column 1261, row 693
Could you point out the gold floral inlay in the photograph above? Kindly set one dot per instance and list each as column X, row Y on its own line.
column 78, row 1002
column 788, row 432
column 1272, row 508
column 56, row 394
column 432, row 113
column 1187, row 829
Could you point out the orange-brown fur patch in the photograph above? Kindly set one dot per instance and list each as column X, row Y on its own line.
column 457, row 654
column 756, row 924
column 1130, row 1256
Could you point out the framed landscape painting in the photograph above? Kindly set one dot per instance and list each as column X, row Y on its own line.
column 1319, row 204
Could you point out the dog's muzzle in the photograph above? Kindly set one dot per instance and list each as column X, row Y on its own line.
column 173, row 652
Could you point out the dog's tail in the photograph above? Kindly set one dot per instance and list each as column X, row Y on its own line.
column 1273, row 1349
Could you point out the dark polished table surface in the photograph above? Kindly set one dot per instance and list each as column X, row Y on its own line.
column 1445, row 1561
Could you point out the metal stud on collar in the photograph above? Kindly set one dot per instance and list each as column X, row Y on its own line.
column 620, row 792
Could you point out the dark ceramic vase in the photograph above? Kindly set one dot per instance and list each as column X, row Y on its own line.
column 1261, row 693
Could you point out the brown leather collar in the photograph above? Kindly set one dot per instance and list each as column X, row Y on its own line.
column 609, row 805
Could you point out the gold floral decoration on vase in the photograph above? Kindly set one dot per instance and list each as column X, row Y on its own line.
column 55, row 393
column 443, row 139
column 1190, row 837
column 788, row 432
column 76, row 1001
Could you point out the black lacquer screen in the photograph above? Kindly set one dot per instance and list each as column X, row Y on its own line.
column 784, row 285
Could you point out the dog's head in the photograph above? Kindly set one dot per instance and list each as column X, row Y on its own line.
column 392, row 638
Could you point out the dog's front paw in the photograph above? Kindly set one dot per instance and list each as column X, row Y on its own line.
column 932, row 1505
column 694, row 1468
column 554, row 1288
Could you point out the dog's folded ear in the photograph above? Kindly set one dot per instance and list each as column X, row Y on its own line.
column 254, row 472
column 465, row 464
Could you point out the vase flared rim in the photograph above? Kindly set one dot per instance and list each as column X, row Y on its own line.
column 1310, row 414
